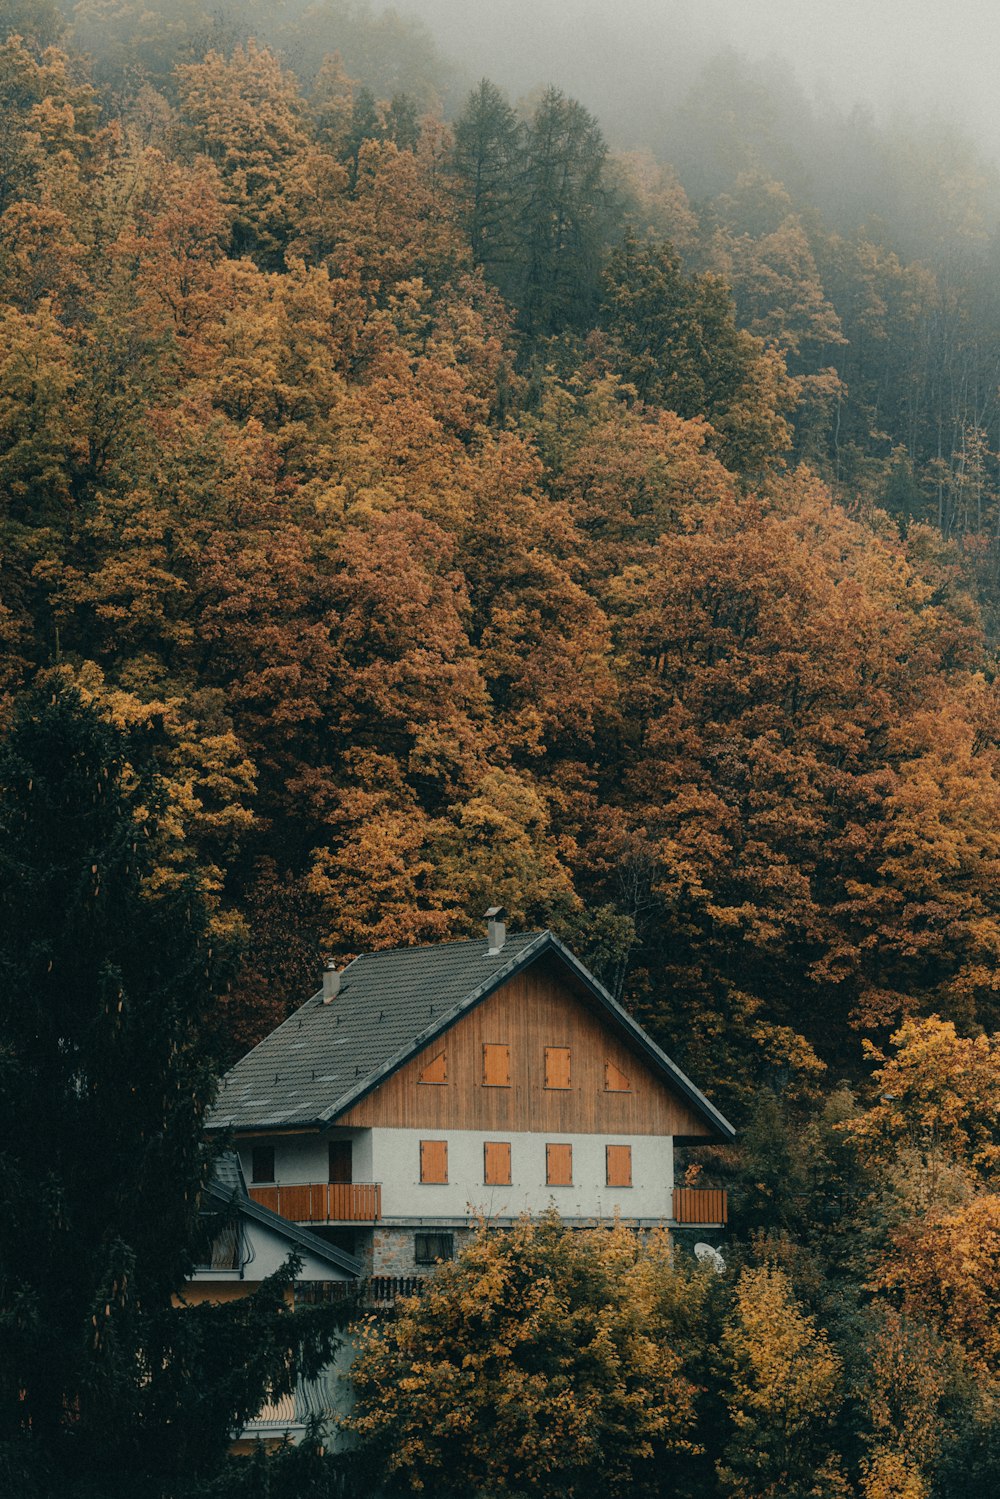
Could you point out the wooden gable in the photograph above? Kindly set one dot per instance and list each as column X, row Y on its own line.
column 556, row 1065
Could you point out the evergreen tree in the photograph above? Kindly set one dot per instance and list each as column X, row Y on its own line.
column 487, row 157
column 402, row 120
column 108, row 962
column 40, row 21
column 565, row 209
column 366, row 125
column 675, row 338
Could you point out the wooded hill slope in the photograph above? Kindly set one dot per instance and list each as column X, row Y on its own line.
column 452, row 525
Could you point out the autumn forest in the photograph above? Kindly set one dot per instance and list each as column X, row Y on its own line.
column 462, row 510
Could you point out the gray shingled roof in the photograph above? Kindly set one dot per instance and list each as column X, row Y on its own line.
column 229, row 1189
column 325, row 1057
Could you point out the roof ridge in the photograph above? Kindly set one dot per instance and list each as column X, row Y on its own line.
column 385, row 952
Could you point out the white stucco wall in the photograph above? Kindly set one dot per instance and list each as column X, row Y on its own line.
column 396, row 1164
column 305, row 1158
column 266, row 1252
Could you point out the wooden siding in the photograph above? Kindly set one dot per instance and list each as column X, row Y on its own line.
column 532, row 1011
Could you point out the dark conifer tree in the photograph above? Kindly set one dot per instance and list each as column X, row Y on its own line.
column 107, row 967
column 366, row 124
column 675, row 334
column 488, row 142
column 402, row 122
column 564, row 217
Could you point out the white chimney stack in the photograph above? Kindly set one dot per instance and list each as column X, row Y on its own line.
column 331, row 984
column 496, row 930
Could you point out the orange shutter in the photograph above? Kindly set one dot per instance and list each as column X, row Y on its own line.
column 619, row 1164
column 557, row 1066
column 496, row 1066
column 434, row 1160
column 496, row 1163
column 435, row 1071
column 559, row 1165
column 615, row 1081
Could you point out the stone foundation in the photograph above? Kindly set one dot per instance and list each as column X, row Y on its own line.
column 394, row 1249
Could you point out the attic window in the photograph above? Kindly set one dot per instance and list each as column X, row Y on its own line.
column 557, row 1067
column 224, row 1253
column 496, row 1066
column 435, row 1071
column 262, row 1163
column 614, row 1080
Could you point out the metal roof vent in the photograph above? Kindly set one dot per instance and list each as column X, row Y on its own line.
column 331, row 984
column 496, row 930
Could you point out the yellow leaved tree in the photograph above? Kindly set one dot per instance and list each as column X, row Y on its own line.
column 542, row 1361
column 783, row 1398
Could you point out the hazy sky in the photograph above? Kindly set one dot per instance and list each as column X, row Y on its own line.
column 909, row 54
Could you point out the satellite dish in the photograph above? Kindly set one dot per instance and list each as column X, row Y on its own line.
column 706, row 1255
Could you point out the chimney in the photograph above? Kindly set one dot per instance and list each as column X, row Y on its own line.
column 331, row 984
column 496, row 930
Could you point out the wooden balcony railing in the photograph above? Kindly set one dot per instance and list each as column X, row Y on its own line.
column 323, row 1202
column 704, row 1206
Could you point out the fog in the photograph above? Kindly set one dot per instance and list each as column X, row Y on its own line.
column 628, row 60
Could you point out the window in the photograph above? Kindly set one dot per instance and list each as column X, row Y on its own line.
column 496, row 1163
column 496, row 1066
column 434, row 1161
column 225, row 1251
column 341, row 1161
column 557, row 1066
column 614, row 1080
column 436, row 1071
column 262, row 1163
column 429, row 1248
column 619, row 1165
column 559, row 1165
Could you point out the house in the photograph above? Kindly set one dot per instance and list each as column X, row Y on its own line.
column 250, row 1243
column 253, row 1242
column 427, row 1088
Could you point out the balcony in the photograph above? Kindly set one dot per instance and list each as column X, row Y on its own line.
column 323, row 1202
column 700, row 1207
